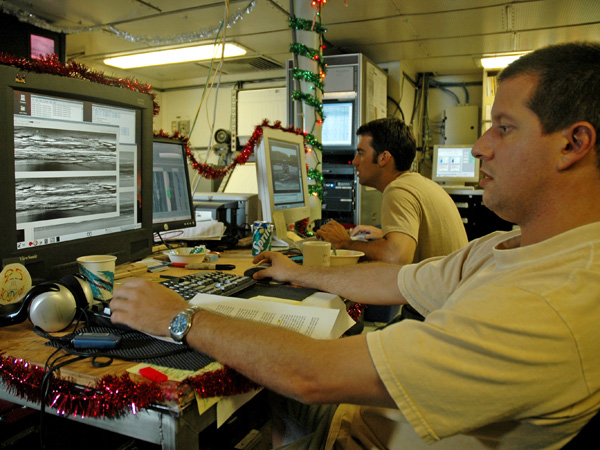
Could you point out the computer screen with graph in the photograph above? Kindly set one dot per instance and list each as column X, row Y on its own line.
column 454, row 165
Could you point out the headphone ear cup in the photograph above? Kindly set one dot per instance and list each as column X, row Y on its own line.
column 17, row 313
column 54, row 309
column 81, row 290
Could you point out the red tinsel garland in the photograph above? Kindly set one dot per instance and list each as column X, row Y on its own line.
column 113, row 397
column 210, row 172
column 72, row 69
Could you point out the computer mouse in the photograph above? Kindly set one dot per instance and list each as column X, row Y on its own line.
column 252, row 270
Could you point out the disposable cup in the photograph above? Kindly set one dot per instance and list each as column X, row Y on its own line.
column 99, row 270
column 316, row 253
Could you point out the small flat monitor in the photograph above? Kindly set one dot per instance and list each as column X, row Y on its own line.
column 171, row 191
column 282, row 181
column 455, row 166
column 338, row 129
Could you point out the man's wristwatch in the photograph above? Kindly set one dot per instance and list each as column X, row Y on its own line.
column 182, row 323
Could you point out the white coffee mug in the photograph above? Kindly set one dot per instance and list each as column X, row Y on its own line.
column 316, row 253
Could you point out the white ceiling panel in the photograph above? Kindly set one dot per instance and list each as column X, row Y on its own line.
column 440, row 36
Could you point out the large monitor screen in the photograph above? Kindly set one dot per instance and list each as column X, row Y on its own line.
column 171, row 191
column 75, row 164
column 282, row 181
column 454, row 165
column 75, row 169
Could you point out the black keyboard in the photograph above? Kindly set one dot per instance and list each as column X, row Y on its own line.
column 209, row 282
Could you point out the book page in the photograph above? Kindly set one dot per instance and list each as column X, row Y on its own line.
column 311, row 321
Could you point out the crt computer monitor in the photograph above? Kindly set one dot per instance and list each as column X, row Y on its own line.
column 454, row 165
column 282, row 181
column 172, row 200
column 75, row 172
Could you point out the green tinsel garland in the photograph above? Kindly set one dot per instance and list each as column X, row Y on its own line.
column 313, row 141
column 317, row 177
column 307, row 75
column 312, row 53
column 306, row 25
column 309, row 100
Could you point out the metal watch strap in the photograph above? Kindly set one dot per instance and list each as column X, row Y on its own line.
column 191, row 311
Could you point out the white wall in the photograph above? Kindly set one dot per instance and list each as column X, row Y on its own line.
column 183, row 105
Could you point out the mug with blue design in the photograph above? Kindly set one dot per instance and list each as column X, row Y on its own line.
column 100, row 272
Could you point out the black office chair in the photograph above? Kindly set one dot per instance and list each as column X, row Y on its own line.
column 587, row 438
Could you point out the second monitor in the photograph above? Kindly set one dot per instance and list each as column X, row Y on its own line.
column 172, row 200
column 455, row 166
column 282, row 181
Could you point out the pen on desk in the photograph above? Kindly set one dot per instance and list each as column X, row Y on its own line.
column 204, row 266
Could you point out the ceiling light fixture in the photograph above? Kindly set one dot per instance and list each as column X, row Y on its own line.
column 173, row 56
column 499, row 61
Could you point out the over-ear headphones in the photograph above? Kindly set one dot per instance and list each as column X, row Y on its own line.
column 51, row 306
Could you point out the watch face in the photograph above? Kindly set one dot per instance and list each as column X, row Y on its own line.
column 179, row 324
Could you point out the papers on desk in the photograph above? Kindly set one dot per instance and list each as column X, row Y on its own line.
column 204, row 230
column 321, row 316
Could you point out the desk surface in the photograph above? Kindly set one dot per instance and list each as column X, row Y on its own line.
column 20, row 341
column 172, row 427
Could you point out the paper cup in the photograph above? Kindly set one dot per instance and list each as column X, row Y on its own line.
column 316, row 253
column 99, row 270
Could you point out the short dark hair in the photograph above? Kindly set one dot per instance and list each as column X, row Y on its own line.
column 568, row 89
column 393, row 135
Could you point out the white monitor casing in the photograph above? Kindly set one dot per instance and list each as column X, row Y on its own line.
column 282, row 187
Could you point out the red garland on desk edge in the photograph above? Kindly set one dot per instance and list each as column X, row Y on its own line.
column 210, row 172
column 112, row 397
column 72, row 69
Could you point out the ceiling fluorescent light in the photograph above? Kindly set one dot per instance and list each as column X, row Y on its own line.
column 500, row 61
column 173, row 56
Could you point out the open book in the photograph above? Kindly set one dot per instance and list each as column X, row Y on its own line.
column 321, row 316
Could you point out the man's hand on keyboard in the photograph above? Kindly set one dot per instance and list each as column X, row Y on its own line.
column 146, row 306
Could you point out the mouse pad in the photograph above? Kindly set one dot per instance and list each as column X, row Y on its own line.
column 286, row 291
column 140, row 347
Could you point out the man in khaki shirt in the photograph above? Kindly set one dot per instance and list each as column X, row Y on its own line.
column 418, row 218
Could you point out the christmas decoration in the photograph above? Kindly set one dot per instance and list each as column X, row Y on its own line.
column 316, row 79
column 113, row 397
column 317, row 188
column 52, row 65
column 28, row 17
column 210, row 172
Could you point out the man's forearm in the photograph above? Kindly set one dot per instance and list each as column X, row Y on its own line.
column 372, row 283
column 384, row 250
column 309, row 370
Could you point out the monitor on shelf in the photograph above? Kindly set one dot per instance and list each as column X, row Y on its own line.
column 76, row 172
column 455, row 166
column 337, row 134
column 282, row 182
column 173, row 205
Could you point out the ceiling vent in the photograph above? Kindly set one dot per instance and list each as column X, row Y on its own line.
column 243, row 65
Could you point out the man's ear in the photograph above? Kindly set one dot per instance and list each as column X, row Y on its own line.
column 581, row 139
column 385, row 158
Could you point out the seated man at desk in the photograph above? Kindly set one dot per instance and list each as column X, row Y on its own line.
column 419, row 219
column 507, row 354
